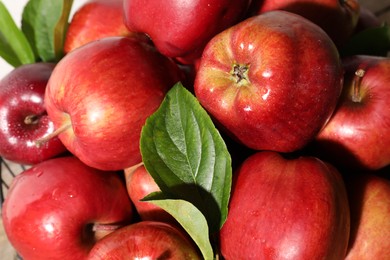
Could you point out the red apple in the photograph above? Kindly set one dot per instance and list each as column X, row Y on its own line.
column 23, row 117
column 181, row 29
column 145, row 240
column 367, row 20
column 59, row 208
column 139, row 184
column 337, row 18
column 369, row 197
column 272, row 81
column 286, row 209
column 100, row 95
column 358, row 134
column 95, row 19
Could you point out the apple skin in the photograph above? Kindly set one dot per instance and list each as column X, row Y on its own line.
column 254, row 79
column 145, row 240
column 337, row 18
column 23, row 117
column 367, row 20
column 87, row 24
column 51, row 209
column 139, row 184
column 286, row 209
column 180, row 29
column 369, row 197
column 105, row 90
column 358, row 134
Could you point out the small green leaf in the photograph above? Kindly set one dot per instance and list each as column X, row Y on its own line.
column 14, row 47
column 45, row 23
column 186, row 155
column 189, row 217
column 373, row 41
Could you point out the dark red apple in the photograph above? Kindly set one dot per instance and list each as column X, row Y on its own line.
column 337, row 18
column 145, row 240
column 59, row 208
column 286, row 209
column 23, row 117
column 367, row 20
column 181, row 29
column 93, row 20
column 369, row 197
column 100, row 95
column 358, row 134
column 272, row 81
column 139, row 184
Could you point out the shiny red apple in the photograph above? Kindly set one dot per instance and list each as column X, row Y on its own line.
column 369, row 197
column 282, row 208
column 181, row 29
column 59, row 208
column 337, row 18
column 145, row 240
column 100, row 95
column 93, row 20
column 272, row 81
column 23, row 117
column 139, row 184
column 358, row 134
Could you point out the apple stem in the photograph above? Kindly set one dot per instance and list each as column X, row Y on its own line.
column 105, row 227
column 359, row 74
column 31, row 119
column 53, row 134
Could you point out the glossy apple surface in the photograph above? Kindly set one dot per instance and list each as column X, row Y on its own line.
column 337, row 18
column 59, row 208
column 272, row 81
column 369, row 197
column 95, row 19
column 286, row 209
column 145, row 240
column 139, row 184
column 102, row 93
column 23, row 117
column 358, row 134
column 181, row 29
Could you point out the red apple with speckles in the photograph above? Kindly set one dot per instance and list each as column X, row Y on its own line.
column 23, row 116
column 59, row 208
column 145, row 240
column 272, row 81
column 100, row 95
column 181, row 29
column 358, row 134
column 281, row 208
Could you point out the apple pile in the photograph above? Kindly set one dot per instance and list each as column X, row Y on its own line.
column 242, row 129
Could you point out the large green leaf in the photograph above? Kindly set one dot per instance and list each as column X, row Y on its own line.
column 14, row 47
column 45, row 23
column 186, row 155
column 189, row 217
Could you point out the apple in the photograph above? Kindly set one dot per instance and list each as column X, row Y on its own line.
column 23, row 117
column 337, row 18
column 139, row 184
column 100, row 94
column 181, row 29
column 272, row 81
column 93, row 20
column 367, row 20
column 282, row 208
column 358, row 134
column 369, row 197
column 145, row 240
column 59, row 208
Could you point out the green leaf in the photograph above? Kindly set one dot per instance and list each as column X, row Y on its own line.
column 189, row 217
column 45, row 23
column 187, row 157
column 373, row 41
column 14, row 47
